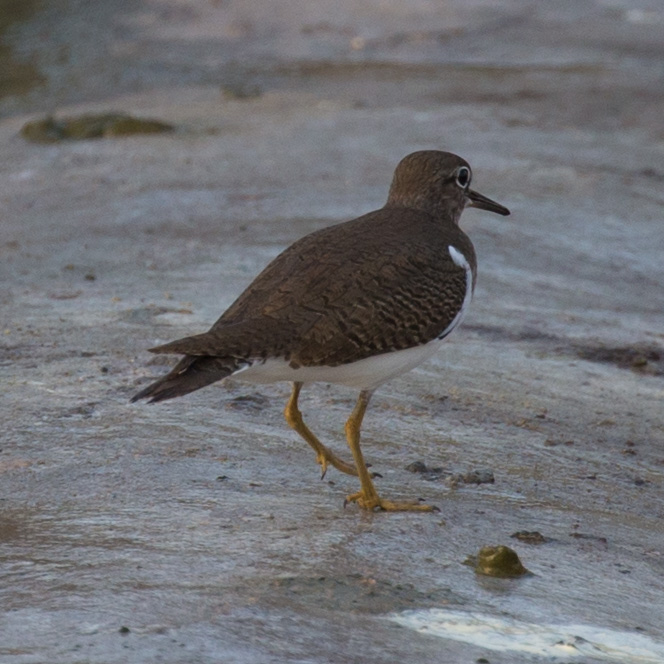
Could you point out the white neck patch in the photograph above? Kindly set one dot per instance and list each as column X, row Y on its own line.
column 460, row 260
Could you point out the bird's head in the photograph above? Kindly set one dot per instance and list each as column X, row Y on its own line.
column 438, row 183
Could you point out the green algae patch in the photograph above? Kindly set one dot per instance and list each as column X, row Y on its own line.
column 91, row 126
column 499, row 561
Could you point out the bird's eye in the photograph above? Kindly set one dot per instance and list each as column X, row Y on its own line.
column 463, row 177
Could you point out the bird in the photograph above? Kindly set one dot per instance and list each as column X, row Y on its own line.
column 357, row 304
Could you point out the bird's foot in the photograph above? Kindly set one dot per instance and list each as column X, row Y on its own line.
column 373, row 502
column 326, row 457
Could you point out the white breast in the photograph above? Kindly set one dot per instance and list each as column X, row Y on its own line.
column 364, row 374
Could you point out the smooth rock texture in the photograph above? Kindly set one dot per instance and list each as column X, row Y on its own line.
column 198, row 530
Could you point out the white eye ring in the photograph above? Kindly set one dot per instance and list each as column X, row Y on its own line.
column 463, row 177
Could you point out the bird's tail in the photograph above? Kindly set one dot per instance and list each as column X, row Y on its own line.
column 189, row 374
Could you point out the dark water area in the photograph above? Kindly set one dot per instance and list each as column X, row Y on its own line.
column 18, row 75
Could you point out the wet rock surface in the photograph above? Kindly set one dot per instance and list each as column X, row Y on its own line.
column 198, row 530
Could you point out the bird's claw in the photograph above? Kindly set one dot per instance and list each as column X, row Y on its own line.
column 374, row 503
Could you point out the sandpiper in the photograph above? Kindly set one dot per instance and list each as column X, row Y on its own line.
column 356, row 304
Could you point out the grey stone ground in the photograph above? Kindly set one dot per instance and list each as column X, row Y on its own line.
column 200, row 524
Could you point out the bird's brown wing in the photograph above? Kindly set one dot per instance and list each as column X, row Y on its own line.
column 339, row 295
column 403, row 304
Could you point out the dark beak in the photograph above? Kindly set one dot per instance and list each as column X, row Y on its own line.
column 484, row 203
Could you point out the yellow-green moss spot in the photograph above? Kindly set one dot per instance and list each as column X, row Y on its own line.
column 89, row 126
column 499, row 561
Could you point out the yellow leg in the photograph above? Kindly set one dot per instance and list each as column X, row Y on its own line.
column 324, row 456
column 367, row 497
